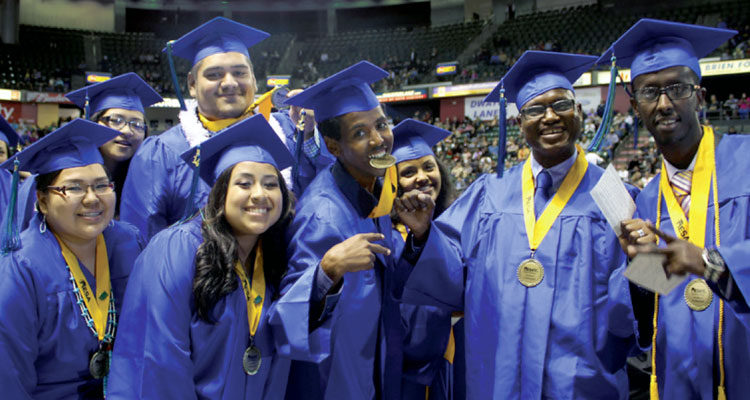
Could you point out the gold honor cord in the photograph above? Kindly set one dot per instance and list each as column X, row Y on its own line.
column 537, row 230
column 704, row 178
column 97, row 303
column 387, row 195
column 219, row 124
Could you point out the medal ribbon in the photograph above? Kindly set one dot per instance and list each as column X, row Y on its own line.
column 704, row 178
column 97, row 304
column 387, row 195
column 254, row 291
column 537, row 230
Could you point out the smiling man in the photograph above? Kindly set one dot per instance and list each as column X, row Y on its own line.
column 528, row 257
column 344, row 281
column 699, row 203
column 160, row 187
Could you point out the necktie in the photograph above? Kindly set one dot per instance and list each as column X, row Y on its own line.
column 681, row 187
column 541, row 194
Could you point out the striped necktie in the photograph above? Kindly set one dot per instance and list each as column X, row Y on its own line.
column 681, row 187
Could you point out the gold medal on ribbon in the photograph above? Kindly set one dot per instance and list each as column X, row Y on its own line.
column 698, row 295
column 530, row 272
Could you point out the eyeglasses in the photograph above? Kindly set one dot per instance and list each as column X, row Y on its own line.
column 78, row 190
column 118, row 122
column 678, row 91
column 538, row 110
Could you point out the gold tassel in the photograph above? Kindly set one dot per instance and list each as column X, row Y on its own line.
column 722, row 394
column 654, row 388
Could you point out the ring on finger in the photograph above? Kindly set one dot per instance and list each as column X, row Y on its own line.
column 641, row 233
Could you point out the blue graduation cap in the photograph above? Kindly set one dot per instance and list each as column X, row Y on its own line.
column 127, row 91
column 535, row 73
column 414, row 139
column 252, row 139
column 74, row 145
column 8, row 134
column 219, row 35
column 343, row 92
column 652, row 45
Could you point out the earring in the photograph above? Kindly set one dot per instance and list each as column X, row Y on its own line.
column 111, row 222
column 43, row 225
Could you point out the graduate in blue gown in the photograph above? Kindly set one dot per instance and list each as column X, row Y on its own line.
column 344, row 278
column 223, row 85
column 120, row 104
column 186, row 332
column 702, row 348
column 536, row 305
column 8, row 142
column 419, row 169
column 62, row 288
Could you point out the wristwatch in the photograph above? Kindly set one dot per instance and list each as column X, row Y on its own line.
column 715, row 265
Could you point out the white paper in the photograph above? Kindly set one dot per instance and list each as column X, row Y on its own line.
column 613, row 198
column 646, row 270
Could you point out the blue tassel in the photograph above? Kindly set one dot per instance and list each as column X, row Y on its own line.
column 298, row 151
column 12, row 241
column 190, row 209
column 501, row 121
column 635, row 133
column 176, row 82
column 87, row 108
column 596, row 142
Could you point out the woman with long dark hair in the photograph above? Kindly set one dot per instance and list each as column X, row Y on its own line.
column 196, row 326
column 420, row 170
column 64, row 278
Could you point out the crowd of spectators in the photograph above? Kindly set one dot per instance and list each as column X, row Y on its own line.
column 731, row 108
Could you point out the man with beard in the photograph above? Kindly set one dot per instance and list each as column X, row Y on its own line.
column 160, row 188
column 699, row 202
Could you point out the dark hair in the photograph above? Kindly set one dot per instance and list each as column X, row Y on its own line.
column 445, row 198
column 44, row 180
column 217, row 255
column 331, row 128
column 447, row 194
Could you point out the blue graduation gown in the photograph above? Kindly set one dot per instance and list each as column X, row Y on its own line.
column 45, row 344
column 5, row 180
column 555, row 340
column 366, row 322
column 157, row 187
column 686, row 346
column 164, row 351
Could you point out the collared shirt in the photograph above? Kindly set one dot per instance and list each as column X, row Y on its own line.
column 557, row 172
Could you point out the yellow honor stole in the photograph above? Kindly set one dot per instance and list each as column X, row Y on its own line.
column 219, row 124
column 536, row 230
column 96, row 303
column 704, row 178
column 254, row 291
column 387, row 195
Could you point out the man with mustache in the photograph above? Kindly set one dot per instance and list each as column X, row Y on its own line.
column 699, row 202
column 529, row 256
column 160, row 188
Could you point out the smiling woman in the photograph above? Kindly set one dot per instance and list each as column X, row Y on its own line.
column 202, row 290
column 66, row 281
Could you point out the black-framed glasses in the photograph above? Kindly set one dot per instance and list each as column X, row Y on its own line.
column 538, row 110
column 78, row 190
column 677, row 91
column 118, row 122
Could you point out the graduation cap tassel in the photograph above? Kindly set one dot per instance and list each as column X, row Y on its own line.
column 635, row 133
column 87, row 108
column 173, row 71
column 596, row 142
column 189, row 210
column 300, row 137
column 501, row 122
column 11, row 240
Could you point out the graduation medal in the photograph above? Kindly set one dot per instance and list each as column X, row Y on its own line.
column 384, row 162
column 698, row 295
column 99, row 364
column 251, row 360
column 530, row 271
column 254, row 292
